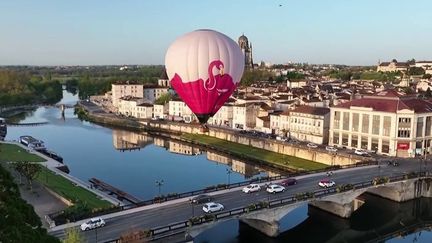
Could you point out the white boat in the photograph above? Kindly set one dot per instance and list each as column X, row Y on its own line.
column 32, row 142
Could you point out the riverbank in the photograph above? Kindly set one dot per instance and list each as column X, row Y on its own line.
column 61, row 189
column 281, row 155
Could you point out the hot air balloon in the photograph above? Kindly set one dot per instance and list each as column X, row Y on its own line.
column 204, row 67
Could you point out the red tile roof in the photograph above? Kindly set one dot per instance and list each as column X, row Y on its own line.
column 390, row 101
column 320, row 111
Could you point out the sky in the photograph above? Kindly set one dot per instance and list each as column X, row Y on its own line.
column 104, row 32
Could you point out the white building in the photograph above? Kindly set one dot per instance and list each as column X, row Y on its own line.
column 296, row 83
column 179, row 109
column 160, row 111
column 135, row 107
column 223, row 117
column 387, row 122
column 280, row 123
column 310, row 124
column 244, row 116
column 123, row 89
column 153, row 92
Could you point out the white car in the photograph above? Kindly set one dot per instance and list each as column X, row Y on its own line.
column 212, row 207
column 92, row 224
column 275, row 188
column 326, row 183
column 331, row 149
column 312, row 145
column 360, row 152
column 251, row 188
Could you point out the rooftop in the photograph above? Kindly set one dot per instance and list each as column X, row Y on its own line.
column 305, row 109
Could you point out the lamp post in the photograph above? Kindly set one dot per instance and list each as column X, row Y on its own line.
column 159, row 184
column 229, row 171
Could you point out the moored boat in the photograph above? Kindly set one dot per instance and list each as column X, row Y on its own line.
column 3, row 129
column 32, row 142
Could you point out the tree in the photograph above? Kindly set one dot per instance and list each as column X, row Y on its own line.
column 163, row 99
column 428, row 93
column 416, row 71
column 30, row 171
column 427, row 76
column 73, row 236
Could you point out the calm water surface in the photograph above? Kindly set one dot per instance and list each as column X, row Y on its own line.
column 94, row 151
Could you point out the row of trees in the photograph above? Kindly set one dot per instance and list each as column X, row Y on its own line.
column 19, row 88
column 19, row 221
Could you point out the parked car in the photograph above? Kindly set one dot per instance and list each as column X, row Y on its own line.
column 326, row 183
column 212, row 207
column 312, row 145
column 331, row 149
column 251, row 188
column 92, row 224
column 361, row 152
column 275, row 188
column 288, row 182
column 201, row 199
column 394, row 163
column 283, row 139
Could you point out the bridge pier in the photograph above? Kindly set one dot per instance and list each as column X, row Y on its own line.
column 342, row 204
column 342, row 210
column 267, row 221
column 404, row 190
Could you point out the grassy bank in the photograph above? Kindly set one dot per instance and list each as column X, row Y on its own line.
column 15, row 153
column 68, row 190
column 281, row 160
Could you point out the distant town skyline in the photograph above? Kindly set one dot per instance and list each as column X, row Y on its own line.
column 139, row 32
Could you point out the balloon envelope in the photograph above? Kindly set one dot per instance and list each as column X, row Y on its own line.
column 204, row 67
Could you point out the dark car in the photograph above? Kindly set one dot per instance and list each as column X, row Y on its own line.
column 288, row 182
column 394, row 163
column 201, row 199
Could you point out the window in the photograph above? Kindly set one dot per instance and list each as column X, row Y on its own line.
column 375, row 124
column 345, row 121
column 365, row 125
column 420, row 127
column 355, row 122
column 345, row 139
column 385, row 148
column 386, row 126
column 364, row 142
column 354, row 141
column 337, row 115
column 374, row 144
column 335, row 138
column 404, row 133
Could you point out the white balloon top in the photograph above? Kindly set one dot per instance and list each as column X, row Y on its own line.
column 190, row 55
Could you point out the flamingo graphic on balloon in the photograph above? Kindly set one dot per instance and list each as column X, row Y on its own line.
column 204, row 68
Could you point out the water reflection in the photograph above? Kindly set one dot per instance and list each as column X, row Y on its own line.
column 128, row 140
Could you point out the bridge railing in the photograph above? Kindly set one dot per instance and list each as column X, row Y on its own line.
column 161, row 231
column 209, row 189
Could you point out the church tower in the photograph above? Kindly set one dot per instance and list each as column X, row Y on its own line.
column 247, row 51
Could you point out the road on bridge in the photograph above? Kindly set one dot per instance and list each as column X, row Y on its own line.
column 166, row 213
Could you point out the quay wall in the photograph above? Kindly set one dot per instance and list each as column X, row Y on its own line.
column 174, row 129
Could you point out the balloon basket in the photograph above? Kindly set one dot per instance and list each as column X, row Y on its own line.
column 204, row 129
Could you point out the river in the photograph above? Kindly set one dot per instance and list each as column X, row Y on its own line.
column 134, row 162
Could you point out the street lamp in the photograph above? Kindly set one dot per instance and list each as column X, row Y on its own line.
column 229, row 171
column 159, row 184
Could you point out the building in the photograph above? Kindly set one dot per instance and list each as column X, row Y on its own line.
column 246, row 50
column 244, row 116
column 393, row 66
column 296, row 83
column 308, row 123
column 125, row 140
column 153, row 92
column 223, row 117
column 179, row 109
column 160, row 111
column 135, row 107
column 127, row 88
column 386, row 122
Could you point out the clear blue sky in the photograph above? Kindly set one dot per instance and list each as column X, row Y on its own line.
column 86, row 32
